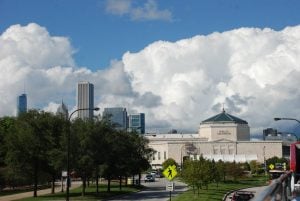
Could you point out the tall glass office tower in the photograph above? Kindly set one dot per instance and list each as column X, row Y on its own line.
column 137, row 122
column 85, row 100
column 22, row 104
column 117, row 116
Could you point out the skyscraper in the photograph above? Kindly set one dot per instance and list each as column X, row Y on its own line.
column 22, row 104
column 85, row 100
column 137, row 122
column 62, row 111
column 117, row 116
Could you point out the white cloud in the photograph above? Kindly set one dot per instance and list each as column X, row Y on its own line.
column 244, row 68
column 149, row 11
column 118, row 7
column 255, row 72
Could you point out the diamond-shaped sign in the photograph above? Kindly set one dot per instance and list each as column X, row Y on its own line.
column 271, row 166
column 170, row 172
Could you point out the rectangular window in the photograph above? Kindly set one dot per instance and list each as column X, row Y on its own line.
column 230, row 149
column 158, row 155
column 153, row 157
column 222, row 149
column 215, row 150
column 165, row 155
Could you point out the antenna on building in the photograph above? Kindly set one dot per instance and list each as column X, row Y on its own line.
column 24, row 85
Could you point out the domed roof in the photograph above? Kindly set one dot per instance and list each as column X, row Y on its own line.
column 224, row 117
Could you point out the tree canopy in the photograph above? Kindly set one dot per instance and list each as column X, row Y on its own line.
column 35, row 150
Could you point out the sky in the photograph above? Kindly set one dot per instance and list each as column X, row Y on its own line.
column 176, row 61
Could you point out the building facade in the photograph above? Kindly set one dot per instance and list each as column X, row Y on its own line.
column 22, row 104
column 137, row 122
column 221, row 137
column 85, row 100
column 62, row 111
column 117, row 116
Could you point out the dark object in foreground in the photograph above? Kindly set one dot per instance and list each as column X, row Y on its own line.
column 242, row 196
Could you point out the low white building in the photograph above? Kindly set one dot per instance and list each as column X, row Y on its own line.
column 222, row 136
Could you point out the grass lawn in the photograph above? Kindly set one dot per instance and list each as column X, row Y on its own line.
column 217, row 193
column 75, row 194
column 11, row 192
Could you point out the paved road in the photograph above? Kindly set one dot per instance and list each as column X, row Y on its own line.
column 155, row 191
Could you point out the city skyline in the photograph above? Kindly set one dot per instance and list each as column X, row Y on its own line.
column 173, row 62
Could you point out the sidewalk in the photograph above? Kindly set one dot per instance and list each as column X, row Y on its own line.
column 30, row 193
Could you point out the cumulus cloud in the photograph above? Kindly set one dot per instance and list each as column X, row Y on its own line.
column 253, row 72
column 149, row 11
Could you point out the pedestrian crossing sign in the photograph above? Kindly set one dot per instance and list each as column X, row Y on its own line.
column 170, row 172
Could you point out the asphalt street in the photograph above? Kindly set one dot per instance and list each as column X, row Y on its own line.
column 154, row 191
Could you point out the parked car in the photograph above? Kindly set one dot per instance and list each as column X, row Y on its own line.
column 242, row 196
column 149, row 178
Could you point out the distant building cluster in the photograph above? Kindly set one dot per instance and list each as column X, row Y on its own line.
column 85, row 99
column 123, row 121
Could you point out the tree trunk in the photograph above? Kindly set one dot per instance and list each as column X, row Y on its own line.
column 140, row 177
column 97, row 183
column 83, row 184
column 35, row 175
column 108, row 183
column 120, row 183
column 53, row 184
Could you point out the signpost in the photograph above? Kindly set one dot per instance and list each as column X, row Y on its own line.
column 64, row 174
column 170, row 172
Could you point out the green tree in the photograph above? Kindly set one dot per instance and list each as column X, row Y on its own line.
column 168, row 162
column 215, row 174
column 221, row 167
column 254, row 166
column 28, row 146
column 234, row 170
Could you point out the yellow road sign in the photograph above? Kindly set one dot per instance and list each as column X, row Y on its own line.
column 170, row 172
column 271, row 166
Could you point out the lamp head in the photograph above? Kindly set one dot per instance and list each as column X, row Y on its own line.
column 277, row 119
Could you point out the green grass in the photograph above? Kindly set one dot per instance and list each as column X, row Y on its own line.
column 16, row 191
column 217, row 193
column 75, row 194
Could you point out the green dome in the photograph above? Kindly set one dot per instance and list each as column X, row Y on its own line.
column 224, row 117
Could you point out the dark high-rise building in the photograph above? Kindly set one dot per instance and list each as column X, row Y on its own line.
column 117, row 116
column 137, row 122
column 85, row 100
column 22, row 104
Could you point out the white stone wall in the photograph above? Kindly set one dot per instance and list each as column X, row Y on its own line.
column 176, row 149
column 230, row 131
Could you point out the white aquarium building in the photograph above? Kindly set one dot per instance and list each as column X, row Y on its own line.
column 221, row 137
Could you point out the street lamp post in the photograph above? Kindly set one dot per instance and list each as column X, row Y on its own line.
column 278, row 119
column 68, row 148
